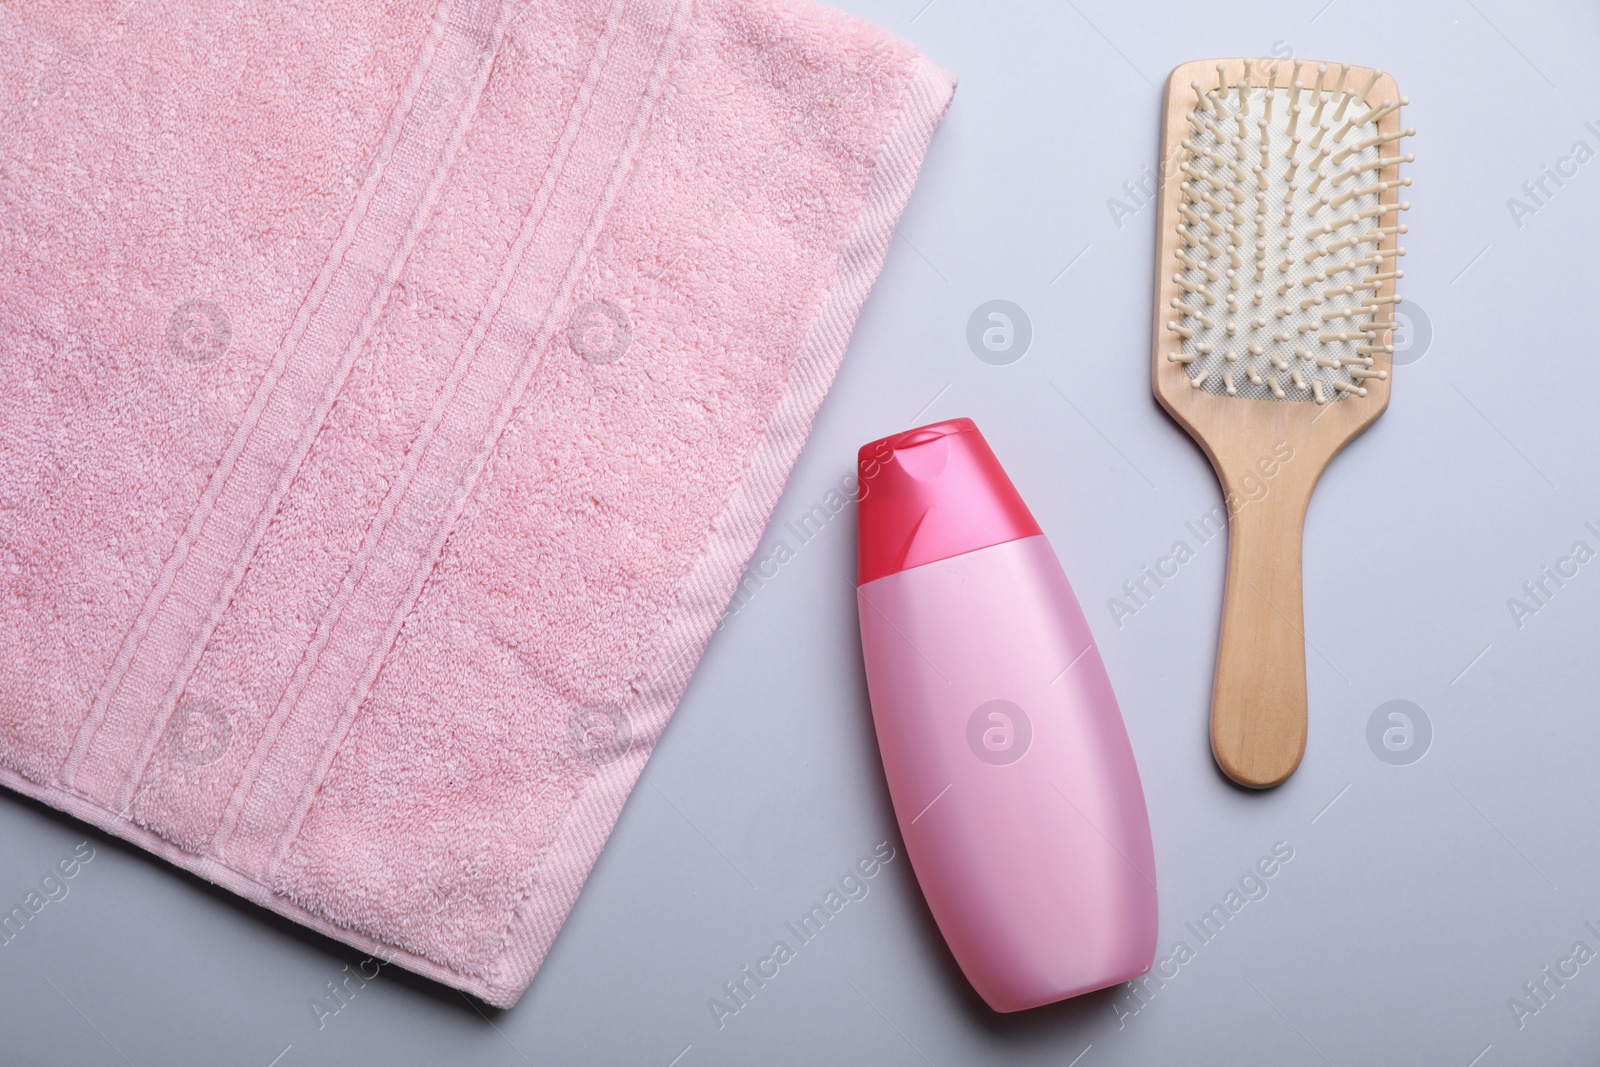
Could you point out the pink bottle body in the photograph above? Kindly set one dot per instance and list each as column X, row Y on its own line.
column 1007, row 759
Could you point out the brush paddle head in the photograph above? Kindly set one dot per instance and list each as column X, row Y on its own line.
column 1285, row 251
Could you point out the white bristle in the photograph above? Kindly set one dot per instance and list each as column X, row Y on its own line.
column 1316, row 92
column 1351, row 123
column 1378, row 187
column 1377, row 113
column 1362, row 96
column 1343, row 93
column 1294, row 195
column 1373, row 141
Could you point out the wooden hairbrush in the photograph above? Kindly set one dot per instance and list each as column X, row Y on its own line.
column 1275, row 276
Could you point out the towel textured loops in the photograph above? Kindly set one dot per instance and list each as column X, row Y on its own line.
column 391, row 395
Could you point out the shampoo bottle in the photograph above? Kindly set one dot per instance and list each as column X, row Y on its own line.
column 1006, row 756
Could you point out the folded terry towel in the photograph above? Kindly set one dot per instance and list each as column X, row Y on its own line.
column 392, row 394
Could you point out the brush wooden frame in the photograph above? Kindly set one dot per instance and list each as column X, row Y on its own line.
column 1258, row 700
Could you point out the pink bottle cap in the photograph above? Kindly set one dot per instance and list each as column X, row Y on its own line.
column 932, row 493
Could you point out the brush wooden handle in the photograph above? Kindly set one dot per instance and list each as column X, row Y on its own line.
column 1258, row 701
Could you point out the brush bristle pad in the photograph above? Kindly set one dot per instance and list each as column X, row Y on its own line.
column 1287, row 234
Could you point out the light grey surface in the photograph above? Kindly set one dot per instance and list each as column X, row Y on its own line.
column 1420, row 897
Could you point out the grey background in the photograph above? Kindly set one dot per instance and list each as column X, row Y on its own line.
column 1420, row 897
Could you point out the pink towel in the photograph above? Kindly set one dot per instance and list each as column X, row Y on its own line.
column 392, row 394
